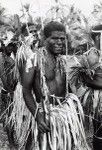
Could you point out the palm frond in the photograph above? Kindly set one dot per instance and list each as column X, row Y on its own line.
column 81, row 72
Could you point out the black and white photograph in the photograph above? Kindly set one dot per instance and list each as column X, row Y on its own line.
column 50, row 75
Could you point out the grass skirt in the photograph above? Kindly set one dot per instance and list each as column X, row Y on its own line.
column 67, row 131
column 66, row 124
column 92, row 104
column 21, row 119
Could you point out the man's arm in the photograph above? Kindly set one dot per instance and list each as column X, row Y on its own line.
column 27, row 81
column 27, row 78
column 95, row 83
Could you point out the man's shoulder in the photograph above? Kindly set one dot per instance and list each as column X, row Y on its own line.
column 33, row 59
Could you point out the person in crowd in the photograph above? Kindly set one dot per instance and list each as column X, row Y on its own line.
column 9, row 83
column 96, row 85
column 46, row 94
column 31, row 30
column 89, row 73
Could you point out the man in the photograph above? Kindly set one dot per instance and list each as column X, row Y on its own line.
column 8, row 86
column 31, row 30
column 95, row 85
column 28, row 38
column 89, row 74
column 43, row 80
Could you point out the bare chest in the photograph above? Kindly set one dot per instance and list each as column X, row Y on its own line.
column 55, row 78
column 53, row 70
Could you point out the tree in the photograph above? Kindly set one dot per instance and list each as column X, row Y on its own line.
column 26, row 16
column 2, row 15
column 78, row 28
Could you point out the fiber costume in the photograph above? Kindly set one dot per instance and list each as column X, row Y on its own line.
column 88, row 72
column 8, row 85
column 66, row 118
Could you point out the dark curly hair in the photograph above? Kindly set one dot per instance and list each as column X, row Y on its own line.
column 53, row 26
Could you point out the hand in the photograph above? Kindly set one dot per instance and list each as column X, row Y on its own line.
column 43, row 125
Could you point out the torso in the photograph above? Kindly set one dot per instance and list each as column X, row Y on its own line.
column 55, row 79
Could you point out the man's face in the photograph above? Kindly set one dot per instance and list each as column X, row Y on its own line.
column 33, row 31
column 7, row 37
column 56, row 42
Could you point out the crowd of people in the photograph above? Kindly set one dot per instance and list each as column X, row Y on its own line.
column 45, row 99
